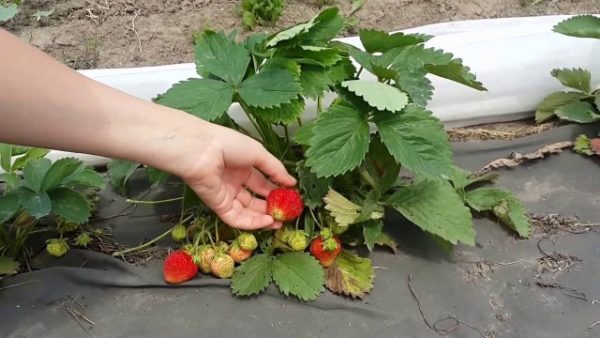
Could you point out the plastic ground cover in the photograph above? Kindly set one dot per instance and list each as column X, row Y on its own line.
column 493, row 289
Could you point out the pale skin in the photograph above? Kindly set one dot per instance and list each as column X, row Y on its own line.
column 46, row 104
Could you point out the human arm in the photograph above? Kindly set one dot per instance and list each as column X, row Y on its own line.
column 46, row 104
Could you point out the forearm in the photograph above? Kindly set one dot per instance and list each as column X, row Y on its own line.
column 44, row 103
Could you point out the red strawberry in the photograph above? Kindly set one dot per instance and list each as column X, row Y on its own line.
column 595, row 145
column 326, row 251
column 179, row 267
column 284, row 204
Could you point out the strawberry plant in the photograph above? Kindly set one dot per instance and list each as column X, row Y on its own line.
column 261, row 12
column 41, row 196
column 581, row 103
column 347, row 158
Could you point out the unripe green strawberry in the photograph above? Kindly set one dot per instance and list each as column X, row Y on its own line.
column 247, row 241
column 83, row 239
column 284, row 204
column 283, row 234
column 57, row 247
column 206, row 256
column 179, row 232
column 237, row 253
column 298, row 240
column 222, row 266
column 65, row 226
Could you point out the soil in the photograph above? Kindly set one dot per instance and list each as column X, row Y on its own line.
column 108, row 33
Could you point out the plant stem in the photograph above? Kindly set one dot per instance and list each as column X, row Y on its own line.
column 319, row 105
column 154, row 202
column 139, row 247
column 367, row 177
column 315, row 219
column 217, row 230
column 359, row 71
column 299, row 122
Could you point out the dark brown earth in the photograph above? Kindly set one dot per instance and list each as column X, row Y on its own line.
column 110, row 33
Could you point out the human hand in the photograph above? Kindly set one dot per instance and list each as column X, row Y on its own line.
column 227, row 170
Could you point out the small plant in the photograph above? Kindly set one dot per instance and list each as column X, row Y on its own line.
column 9, row 9
column 347, row 159
column 581, row 103
column 41, row 196
column 261, row 12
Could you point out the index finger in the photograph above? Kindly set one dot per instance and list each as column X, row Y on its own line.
column 274, row 169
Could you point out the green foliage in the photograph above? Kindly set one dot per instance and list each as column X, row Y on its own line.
column 261, row 12
column 581, row 104
column 349, row 156
column 8, row 11
column 40, row 193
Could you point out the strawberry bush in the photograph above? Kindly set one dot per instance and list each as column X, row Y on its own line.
column 580, row 103
column 371, row 148
column 39, row 196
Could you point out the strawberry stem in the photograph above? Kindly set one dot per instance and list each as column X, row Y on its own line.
column 139, row 247
column 315, row 219
column 154, row 202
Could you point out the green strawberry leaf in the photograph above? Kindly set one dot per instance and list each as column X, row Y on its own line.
column 372, row 230
column 313, row 188
column 290, row 36
column 31, row 153
column 435, row 207
column 205, row 98
column 576, row 78
column 59, row 171
column 582, row 26
column 12, row 180
column 340, row 141
column 381, row 164
column 313, row 55
column 252, row 276
column 504, row 205
column 386, row 240
column 314, row 81
column 119, row 172
column 417, row 140
column 9, row 206
column 156, row 176
column 286, row 113
column 8, row 266
column 350, row 275
column 70, row 205
column 547, row 108
column 378, row 95
column 34, row 173
column 8, row 12
column 416, row 85
column 304, row 134
column 484, row 199
column 5, row 156
column 457, row 72
column 581, row 112
column 379, row 41
column 89, row 178
column 37, row 204
column 299, row 274
column 222, row 57
column 327, row 25
column 270, row 88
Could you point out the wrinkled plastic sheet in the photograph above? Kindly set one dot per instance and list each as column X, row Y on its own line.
column 124, row 300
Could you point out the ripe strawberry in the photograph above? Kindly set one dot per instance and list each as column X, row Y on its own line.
column 57, row 247
column 595, row 145
column 247, row 241
column 179, row 267
column 179, row 232
column 326, row 251
column 206, row 254
column 284, row 204
column 222, row 266
column 237, row 253
column 298, row 240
